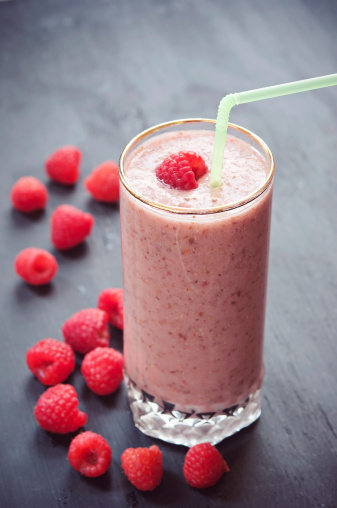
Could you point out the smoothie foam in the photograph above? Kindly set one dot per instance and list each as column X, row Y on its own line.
column 195, row 284
column 244, row 170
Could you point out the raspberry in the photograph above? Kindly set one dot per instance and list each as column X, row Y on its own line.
column 86, row 330
column 143, row 467
column 63, row 165
column 181, row 170
column 111, row 300
column 57, row 410
column 204, row 466
column 29, row 194
column 90, row 454
column 103, row 183
column 35, row 266
column 51, row 361
column 70, row 226
column 102, row 369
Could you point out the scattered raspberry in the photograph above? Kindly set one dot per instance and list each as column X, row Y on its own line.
column 70, row 226
column 111, row 300
column 29, row 194
column 90, row 454
column 51, row 361
column 204, row 466
column 35, row 266
column 181, row 170
column 57, row 410
column 143, row 467
column 86, row 330
column 102, row 369
column 63, row 165
column 103, row 183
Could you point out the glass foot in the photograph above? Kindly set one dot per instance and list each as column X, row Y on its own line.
column 164, row 422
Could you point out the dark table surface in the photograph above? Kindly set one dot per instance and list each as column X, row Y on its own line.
column 94, row 74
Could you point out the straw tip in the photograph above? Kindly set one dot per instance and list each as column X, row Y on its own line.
column 215, row 182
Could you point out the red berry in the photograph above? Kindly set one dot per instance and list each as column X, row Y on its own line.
column 51, row 361
column 57, row 410
column 29, row 194
column 102, row 369
column 90, row 454
column 70, row 226
column 204, row 466
column 103, row 183
column 86, row 330
column 111, row 300
column 63, row 165
column 143, row 467
column 35, row 266
column 181, row 170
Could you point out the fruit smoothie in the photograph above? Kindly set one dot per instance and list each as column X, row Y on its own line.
column 195, row 273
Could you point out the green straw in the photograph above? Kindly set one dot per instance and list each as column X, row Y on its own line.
column 234, row 99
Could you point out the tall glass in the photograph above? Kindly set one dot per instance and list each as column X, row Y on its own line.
column 194, row 304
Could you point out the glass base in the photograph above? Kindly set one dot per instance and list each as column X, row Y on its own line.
column 163, row 421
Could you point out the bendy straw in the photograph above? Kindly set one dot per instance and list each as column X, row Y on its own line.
column 234, row 99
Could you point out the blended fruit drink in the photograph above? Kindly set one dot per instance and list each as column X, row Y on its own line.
column 195, row 273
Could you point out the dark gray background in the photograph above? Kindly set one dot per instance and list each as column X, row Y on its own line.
column 94, row 73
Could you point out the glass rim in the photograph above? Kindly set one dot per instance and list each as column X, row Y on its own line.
column 195, row 211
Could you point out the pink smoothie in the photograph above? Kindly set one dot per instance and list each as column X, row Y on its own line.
column 195, row 284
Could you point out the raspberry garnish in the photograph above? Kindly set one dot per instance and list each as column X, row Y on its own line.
column 181, row 170
column 111, row 300
column 204, row 466
column 102, row 369
column 143, row 467
column 90, row 454
column 51, row 361
column 57, row 410
column 103, row 183
column 70, row 226
column 63, row 165
column 29, row 194
column 35, row 266
column 86, row 330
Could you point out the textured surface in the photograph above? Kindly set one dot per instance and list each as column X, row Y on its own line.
column 94, row 74
column 163, row 421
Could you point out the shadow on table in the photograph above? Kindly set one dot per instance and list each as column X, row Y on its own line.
column 59, row 189
column 21, row 219
column 103, row 483
column 109, row 401
column 24, row 291
column 75, row 253
column 98, row 208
